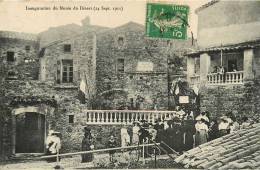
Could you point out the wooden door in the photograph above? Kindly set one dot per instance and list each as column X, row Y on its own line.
column 30, row 130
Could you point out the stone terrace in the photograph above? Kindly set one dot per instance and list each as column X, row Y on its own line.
column 238, row 150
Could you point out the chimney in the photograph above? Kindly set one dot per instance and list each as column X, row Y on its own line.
column 85, row 22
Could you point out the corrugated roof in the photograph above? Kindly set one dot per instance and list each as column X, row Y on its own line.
column 238, row 150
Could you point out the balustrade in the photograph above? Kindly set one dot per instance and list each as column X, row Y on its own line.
column 227, row 78
column 124, row 116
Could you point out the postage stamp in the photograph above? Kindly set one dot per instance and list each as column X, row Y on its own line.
column 167, row 21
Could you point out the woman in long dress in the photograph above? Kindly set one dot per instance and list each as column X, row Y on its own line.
column 189, row 131
column 53, row 145
column 87, row 144
column 135, row 139
column 201, row 135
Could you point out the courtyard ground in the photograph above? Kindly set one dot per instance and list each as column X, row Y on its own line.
column 75, row 163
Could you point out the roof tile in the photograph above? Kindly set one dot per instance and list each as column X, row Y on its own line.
column 232, row 151
column 215, row 166
column 206, row 165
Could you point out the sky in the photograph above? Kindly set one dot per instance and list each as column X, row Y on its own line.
column 15, row 17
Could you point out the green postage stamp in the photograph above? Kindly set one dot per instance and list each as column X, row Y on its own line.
column 167, row 21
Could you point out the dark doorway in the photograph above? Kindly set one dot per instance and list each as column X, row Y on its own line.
column 30, row 129
column 232, row 65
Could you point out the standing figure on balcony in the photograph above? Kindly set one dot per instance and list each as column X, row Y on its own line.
column 233, row 68
column 87, row 145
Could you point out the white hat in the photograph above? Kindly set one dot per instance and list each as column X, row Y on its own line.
column 51, row 132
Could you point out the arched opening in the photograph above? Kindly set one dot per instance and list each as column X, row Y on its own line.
column 30, row 132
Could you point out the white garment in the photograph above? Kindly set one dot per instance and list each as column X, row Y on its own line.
column 53, row 144
column 234, row 127
column 202, row 117
column 201, row 126
column 223, row 126
column 125, row 138
column 166, row 126
column 153, row 133
column 135, row 139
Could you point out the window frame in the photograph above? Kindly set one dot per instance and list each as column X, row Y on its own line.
column 65, row 66
column 66, row 47
column 27, row 48
column 118, row 68
column 7, row 56
column 71, row 118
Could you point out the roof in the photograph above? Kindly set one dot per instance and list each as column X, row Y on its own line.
column 18, row 35
column 66, row 32
column 206, row 5
column 238, row 150
column 127, row 25
column 231, row 47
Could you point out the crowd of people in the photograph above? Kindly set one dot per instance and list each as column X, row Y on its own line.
column 184, row 131
column 181, row 132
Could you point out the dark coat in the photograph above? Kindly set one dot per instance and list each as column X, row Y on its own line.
column 86, row 143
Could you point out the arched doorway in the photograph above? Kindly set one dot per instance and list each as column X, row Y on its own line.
column 30, row 132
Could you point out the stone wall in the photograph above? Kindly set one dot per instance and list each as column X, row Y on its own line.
column 57, row 118
column 82, row 54
column 26, row 63
column 242, row 99
column 129, row 44
column 228, row 22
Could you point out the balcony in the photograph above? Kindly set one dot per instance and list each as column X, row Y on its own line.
column 227, row 78
column 117, row 117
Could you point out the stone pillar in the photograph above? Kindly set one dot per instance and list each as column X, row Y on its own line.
column 190, row 67
column 204, row 68
column 248, row 64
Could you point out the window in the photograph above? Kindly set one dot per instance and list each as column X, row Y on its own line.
column 67, row 71
column 27, row 48
column 10, row 56
column 120, row 41
column 71, row 118
column 67, row 48
column 120, row 65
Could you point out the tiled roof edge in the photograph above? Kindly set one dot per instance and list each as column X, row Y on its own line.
column 206, row 5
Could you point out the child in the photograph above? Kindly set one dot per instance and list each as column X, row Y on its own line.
column 111, row 144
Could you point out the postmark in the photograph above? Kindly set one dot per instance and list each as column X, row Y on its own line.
column 166, row 21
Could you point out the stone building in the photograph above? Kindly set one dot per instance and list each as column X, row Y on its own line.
column 226, row 66
column 40, row 83
column 18, row 52
column 131, row 69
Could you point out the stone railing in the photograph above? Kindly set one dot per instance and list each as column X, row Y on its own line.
column 124, row 116
column 195, row 79
column 235, row 77
column 227, row 78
